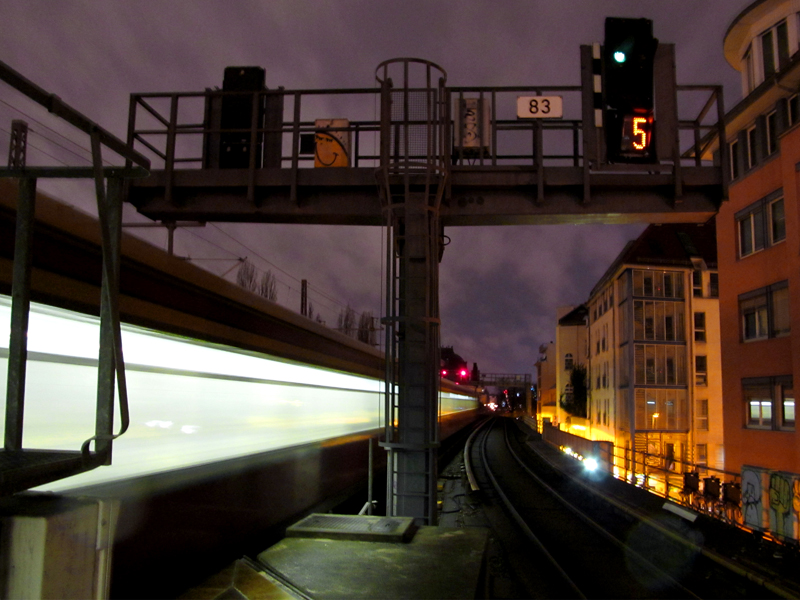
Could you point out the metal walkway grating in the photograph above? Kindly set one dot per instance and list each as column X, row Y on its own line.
column 23, row 469
column 353, row 527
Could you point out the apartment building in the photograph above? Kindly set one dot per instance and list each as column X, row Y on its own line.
column 758, row 237
column 652, row 325
column 546, row 386
column 571, row 351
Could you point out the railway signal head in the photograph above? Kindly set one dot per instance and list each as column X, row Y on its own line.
column 628, row 54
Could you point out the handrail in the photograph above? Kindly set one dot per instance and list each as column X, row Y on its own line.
column 55, row 105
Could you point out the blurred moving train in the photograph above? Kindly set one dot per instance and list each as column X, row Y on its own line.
column 244, row 414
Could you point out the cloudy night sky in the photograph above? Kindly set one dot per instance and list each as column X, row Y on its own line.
column 500, row 286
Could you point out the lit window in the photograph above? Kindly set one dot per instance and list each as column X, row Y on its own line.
column 702, row 415
column 772, row 133
column 764, row 312
column 769, row 402
column 761, row 224
column 699, row 327
column 702, row 454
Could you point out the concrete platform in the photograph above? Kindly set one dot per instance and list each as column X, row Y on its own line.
column 436, row 563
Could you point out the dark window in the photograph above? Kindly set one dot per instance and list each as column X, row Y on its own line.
column 772, row 133
column 701, row 370
column 750, row 70
column 777, row 221
column 699, row 327
column 751, row 147
column 568, row 362
column 762, row 224
column 768, row 53
column 713, row 285
column 734, row 159
column 783, row 44
column 697, row 284
column 764, row 312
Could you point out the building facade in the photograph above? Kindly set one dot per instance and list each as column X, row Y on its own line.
column 652, row 326
column 546, row 391
column 571, row 351
column 759, row 239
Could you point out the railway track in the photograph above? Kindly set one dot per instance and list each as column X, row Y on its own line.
column 581, row 543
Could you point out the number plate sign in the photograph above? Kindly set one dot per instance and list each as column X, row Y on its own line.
column 539, row 107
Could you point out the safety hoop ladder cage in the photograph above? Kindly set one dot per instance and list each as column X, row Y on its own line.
column 412, row 177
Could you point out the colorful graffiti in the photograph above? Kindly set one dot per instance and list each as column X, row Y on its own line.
column 752, row 506
column 332, row 148
column 782, row 504
column 771, row 501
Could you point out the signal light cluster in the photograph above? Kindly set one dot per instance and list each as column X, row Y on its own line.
column 628, row 56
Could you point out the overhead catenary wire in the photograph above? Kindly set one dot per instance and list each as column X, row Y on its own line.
column 87, row 158
column 38, row 149
column 338, row 304
column 61, row 135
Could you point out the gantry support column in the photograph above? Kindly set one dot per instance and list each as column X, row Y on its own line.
column 413, row 173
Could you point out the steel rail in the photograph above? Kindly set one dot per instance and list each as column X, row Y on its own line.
column 594, row 524
column 520, row 521
column 473, row 482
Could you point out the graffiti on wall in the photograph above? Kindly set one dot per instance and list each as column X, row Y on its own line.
column 752, row 507
column 332, row 143
column 783, row 503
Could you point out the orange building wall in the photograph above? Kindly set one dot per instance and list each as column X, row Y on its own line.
column 772, row 357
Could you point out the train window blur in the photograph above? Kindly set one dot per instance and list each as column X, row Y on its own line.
column 191, row 402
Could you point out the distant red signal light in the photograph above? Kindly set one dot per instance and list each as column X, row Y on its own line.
column 444, row 372
column 463, row 373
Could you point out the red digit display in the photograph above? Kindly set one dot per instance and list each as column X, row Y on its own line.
column 637, row 133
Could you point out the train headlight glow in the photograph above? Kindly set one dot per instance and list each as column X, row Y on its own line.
column 590, row 464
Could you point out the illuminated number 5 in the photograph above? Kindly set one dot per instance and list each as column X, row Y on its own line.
column 638, row 131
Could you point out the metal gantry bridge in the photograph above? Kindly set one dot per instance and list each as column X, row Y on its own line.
column 415, row 155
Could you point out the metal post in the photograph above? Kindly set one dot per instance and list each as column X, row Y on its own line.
column 304, row 297
column 18, row 147
column 414, row 175
column 20, row 310
column 369, row 477
column 106, row 372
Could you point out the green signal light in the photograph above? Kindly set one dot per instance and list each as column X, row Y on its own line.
column 619, row 56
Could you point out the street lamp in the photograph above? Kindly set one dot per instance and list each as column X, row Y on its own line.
column 655, row 416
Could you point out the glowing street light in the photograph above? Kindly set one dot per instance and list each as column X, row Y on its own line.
column 655, row 416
